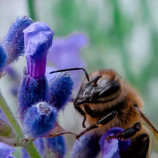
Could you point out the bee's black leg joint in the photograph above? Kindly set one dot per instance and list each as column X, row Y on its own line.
column 139, row 147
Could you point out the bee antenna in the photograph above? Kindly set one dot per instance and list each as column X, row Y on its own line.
column 71, row 69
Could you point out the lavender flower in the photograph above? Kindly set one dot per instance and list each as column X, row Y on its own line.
column 87, row 147
column 64, row 53
column 60, row 90
column 34, row 87
column 6, row 151
column 14, row 40
column 112, row 148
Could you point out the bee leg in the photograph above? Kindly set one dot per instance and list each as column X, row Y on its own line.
column 138, row 148
column 127, row 133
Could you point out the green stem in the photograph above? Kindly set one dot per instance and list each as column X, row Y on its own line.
column 31, row 9
column 32, row 151
column 6, row 110
column 30, row 148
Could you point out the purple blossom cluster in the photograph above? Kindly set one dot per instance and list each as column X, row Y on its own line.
column 42, row 96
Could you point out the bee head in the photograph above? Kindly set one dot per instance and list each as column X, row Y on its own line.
column 104, row 86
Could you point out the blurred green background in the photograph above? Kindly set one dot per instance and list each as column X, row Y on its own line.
column 123, row 35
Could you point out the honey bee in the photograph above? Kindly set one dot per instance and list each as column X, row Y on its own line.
column 103, row 93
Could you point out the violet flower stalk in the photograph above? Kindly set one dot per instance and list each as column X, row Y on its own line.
column 34, row 87
column 36, row 107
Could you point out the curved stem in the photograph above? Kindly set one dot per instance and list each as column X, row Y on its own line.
column 6, row 110
column 30, row 148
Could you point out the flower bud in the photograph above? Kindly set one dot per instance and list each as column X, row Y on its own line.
column 39, row 120
column 14, row 40
column 60, row 89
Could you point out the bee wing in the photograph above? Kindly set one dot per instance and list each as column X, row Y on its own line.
column 154, row 130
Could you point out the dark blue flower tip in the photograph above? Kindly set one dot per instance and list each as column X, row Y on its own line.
column 57, row 146
column 112, row 147
column 3, row 58
column 86, row 146
column 60, row 89
column 39, row 120
column 14, row 40
column 31, row 92
column 6, row 151
column 38, row 38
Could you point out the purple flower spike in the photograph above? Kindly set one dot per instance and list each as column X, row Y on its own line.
column 87, row 147
column 65, row 53
column 60, row 89
column 14, row 40
column 6, row 151
column 43, row 121
column 38, row 38
column 112, row 147
column 3, row 58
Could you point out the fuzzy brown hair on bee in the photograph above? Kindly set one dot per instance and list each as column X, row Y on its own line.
column 104, row 92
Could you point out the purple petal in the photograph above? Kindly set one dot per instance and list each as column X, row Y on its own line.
column 38, row 38
column 6, row 150
column 112, row 147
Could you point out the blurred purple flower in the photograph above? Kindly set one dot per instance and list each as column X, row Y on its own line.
column 15, row 77
column 111, row 148
column 86, row 147
column 65, row 53
column 6, row 151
